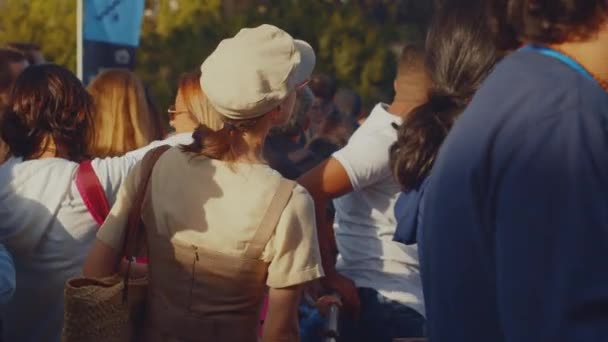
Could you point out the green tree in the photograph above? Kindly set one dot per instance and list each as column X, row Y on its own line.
column 175, row 39
column 356, row 40
column 49, row 23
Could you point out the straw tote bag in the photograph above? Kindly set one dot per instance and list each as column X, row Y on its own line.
column 112, row 309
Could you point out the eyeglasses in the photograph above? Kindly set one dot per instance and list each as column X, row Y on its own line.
column 173, row 112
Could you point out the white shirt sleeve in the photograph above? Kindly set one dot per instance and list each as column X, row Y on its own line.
column 112, row 172
column 365, row 158
column 296, row 257
column 113, row 229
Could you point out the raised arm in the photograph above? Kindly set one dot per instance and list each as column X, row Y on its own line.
column 113, row 171
column 106, row 251
column 324, row 183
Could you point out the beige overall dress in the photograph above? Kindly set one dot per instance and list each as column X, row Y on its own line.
column 196, row 294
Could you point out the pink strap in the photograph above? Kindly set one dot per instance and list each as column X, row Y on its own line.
column 94, row 197
column 92, row 192
column 263, row 316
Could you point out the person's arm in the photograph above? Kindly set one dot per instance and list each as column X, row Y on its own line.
column 281, row 323
column 295, row 261
column 7, row 276
column 326, row 182
column 103, row 259
column 105, row 255
column 112, row 171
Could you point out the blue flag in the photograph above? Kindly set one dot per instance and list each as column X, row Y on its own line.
column 113, row 21
column 111, row 31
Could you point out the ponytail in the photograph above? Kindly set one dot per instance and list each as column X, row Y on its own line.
column 220, row 144
column 460, row 53
column 419, row 138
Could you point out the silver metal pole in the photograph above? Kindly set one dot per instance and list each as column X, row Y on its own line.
column 331, row 333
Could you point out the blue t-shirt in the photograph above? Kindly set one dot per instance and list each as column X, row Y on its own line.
column 408, row 211
column 515, row 243
column 7, row 275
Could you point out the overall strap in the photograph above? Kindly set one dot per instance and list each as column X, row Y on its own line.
column 270, row 220
column 92, row 192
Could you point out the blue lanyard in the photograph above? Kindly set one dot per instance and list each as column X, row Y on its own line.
column 560, row 56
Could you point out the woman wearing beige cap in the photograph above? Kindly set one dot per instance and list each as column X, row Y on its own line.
column 221, row 225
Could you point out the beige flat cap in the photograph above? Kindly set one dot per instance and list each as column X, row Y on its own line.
column 253, row 72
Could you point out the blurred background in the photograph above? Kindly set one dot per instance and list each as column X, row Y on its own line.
column 357, row 41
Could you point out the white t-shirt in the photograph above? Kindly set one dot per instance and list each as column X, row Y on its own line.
column 46, row 226
column 365, row 222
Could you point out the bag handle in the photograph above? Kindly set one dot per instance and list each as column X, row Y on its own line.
column 271, row 219
column 91, row 191
column 135, row 225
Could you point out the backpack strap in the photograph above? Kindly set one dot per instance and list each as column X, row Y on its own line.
column 271, row 219
column 92, row 192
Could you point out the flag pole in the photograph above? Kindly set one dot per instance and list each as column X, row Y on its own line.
column 79, row 47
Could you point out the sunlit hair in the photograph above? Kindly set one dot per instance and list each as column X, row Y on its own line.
column 48, row 111
column 123, row 119
column 196, row 102
column 221, row 144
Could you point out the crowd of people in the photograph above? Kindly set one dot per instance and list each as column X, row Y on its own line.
column 471, row 207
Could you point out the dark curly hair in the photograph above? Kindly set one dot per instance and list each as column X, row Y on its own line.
column 48, row 105
column 556, row 21
column 460, row 53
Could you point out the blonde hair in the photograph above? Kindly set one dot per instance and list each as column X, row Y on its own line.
column 124, row 120
column 196, row 101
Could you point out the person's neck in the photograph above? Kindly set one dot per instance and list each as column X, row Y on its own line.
column 49, row 149
column 184, row 124
column 403, row 108
column 249, row 150
column 592, row 53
